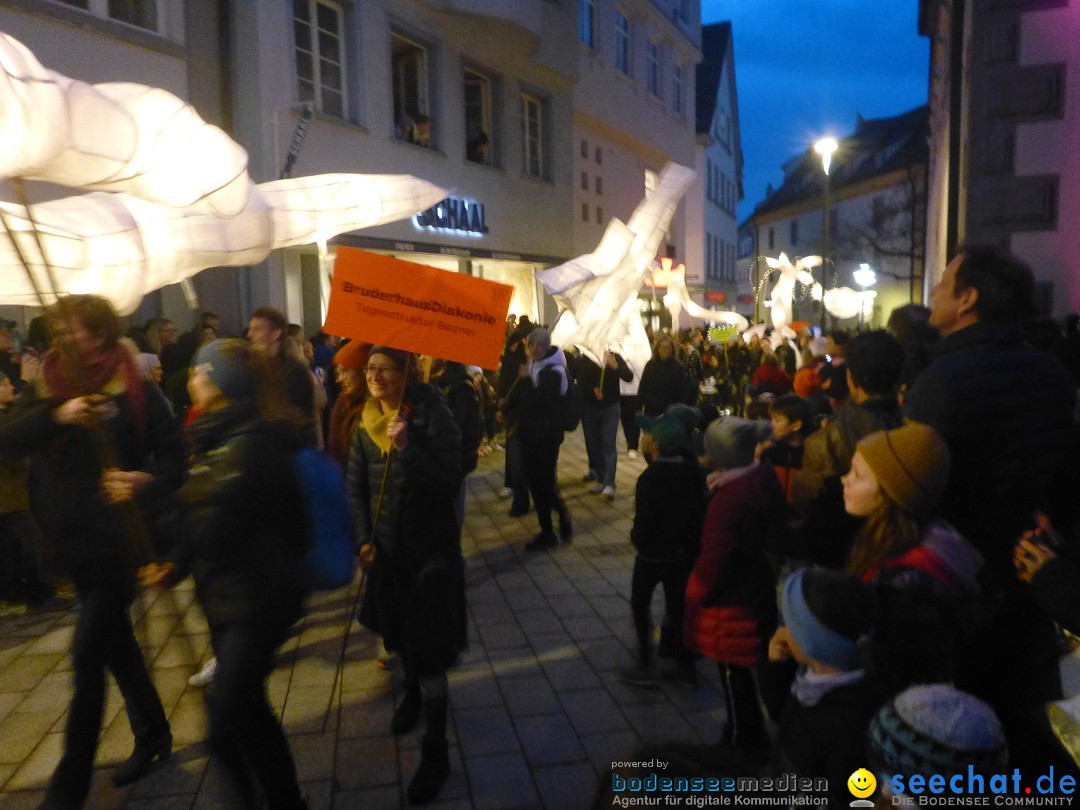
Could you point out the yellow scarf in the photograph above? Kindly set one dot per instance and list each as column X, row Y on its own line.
column 376, row 422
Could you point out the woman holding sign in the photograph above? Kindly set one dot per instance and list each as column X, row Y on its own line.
column 404, row 475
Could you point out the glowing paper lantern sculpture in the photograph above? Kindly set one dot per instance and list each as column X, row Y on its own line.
column 781, row 295
column 678, row 298
column 170, row 193
column 598, row 291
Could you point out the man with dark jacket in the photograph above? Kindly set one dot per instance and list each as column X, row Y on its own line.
column 462, row 396
column 600, row 416
column 536, row 402
column 1004, row 409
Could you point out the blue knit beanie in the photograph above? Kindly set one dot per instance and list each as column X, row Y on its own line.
column 936, row 729
column 828, row 613
column 227, row 370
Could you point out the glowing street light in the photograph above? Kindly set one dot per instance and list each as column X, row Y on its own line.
column 825, row 147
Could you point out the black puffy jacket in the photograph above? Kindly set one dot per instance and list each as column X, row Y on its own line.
column 246, row 534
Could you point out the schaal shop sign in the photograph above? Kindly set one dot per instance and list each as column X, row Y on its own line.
column 453, row 214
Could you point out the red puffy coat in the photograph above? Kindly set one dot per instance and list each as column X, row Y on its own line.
column 731, row 595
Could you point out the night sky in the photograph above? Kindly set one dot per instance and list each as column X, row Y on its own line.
column 804, row 68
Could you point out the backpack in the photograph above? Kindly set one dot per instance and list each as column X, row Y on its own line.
column 571, row 405
column 331, row 561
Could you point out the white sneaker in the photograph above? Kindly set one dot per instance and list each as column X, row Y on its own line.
column 506, row 492
column 205, row 676
column 609, row 492
column 631, row 453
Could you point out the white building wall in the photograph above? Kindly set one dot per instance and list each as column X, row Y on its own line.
column 523, row 215
column 1051, row 147
column 635, row 130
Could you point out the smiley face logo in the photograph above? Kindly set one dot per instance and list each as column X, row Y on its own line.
column 861, row 783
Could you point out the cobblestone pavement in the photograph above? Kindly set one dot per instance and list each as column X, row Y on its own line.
column 538, row 711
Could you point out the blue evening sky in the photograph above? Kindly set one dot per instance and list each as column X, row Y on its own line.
column 804, row 68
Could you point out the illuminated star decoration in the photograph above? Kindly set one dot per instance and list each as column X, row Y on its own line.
column 170, row 194
column 599, row 291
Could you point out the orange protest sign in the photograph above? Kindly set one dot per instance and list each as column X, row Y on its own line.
column 380, row 299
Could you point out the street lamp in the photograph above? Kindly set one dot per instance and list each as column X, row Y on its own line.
column 825, row 147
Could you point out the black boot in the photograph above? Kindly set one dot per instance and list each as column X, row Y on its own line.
column 407, row 714
column 135, row 766
column 433, row 771
column 566, row 526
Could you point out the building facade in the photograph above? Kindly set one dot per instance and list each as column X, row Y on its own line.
column 543, row 119
column 875, row 198
column 1004, row 159
column 633, row 112
column 712, row 249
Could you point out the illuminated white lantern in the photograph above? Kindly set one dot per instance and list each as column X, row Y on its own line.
column 678, row 299
column 599, row 291
column 782, row 292
column 170, row 193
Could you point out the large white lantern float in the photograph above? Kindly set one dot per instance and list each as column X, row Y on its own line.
column 170, row 194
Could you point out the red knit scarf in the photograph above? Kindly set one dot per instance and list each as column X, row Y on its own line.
column 109, row 371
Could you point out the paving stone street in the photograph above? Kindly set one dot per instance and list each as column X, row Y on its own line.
column 538, row 711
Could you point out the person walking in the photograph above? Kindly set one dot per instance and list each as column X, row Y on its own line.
column 90, row 393
column 244, row 543
column 536, row 401
column 405, row 474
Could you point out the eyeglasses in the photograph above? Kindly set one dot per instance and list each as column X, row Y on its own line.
column 375, row 371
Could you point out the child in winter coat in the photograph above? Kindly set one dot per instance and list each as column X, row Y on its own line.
column 669, row 507
column 792, row 420
column 896, row 480
column 730, row 602
column 826, row 616
column 927, row 575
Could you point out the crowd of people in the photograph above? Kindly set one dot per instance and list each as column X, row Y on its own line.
column 837, row 521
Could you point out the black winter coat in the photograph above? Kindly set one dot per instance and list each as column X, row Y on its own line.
column 538, row 406
column 415, row 596
column 669, row 508
column 588, row 374
column 87, row 535
column 246, row 533
column 663, row 382
column 1004, row 409
column 464, row 400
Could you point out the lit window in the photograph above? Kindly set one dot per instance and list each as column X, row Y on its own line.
column 477, row 89
column 532, row 136
column 622, row 42
column 653, row 52
column 409, row 74
column 585, row 24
